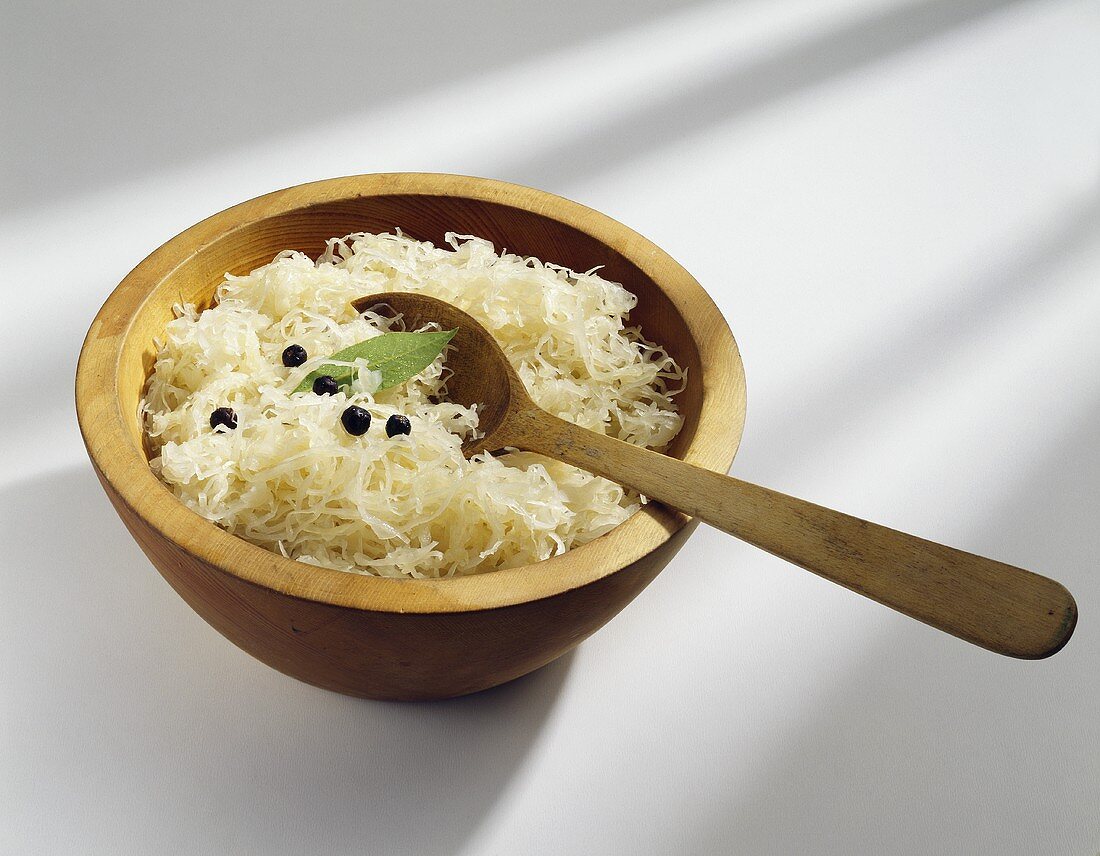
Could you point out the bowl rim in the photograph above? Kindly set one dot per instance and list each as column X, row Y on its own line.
column 126, row 473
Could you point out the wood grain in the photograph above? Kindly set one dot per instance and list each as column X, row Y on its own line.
column 997, row 606
column 383, row 638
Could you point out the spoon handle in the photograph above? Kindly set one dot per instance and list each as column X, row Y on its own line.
column 997, row 606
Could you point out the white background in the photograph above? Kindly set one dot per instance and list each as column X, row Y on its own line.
column 895, row 204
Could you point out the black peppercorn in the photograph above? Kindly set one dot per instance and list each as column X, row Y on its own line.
column 294, row 355
column 223, row 416
column 356, row 420
column 397, row 424
column 326, row 385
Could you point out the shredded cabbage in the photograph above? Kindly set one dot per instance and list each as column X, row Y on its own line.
column 290, row 479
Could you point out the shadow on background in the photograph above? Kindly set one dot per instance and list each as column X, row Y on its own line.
column 746, row 87
column 123, row 701
column 899, row 740
column 882, row 365
column 98, row 91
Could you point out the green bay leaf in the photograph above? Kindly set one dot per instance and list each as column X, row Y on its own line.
column 398, row 356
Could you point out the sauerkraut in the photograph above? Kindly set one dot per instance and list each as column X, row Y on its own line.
column 289, row 478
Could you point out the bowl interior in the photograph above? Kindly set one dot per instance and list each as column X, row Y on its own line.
column 188, row 269
column 424, row 217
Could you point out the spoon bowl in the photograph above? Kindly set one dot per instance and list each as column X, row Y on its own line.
column 480, row 377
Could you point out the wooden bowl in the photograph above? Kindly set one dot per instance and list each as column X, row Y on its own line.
column 385, row 638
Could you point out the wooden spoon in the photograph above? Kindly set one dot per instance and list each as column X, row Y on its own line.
column 997, row 606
